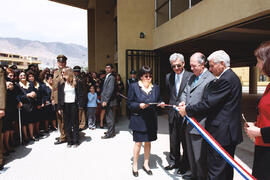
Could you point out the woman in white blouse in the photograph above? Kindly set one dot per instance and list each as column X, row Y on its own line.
column 69, row 100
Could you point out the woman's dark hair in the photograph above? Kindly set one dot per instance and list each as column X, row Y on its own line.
column 263, row 53
column 48, row 76
column 30, row 72
column 144, row 70
column 44, row 73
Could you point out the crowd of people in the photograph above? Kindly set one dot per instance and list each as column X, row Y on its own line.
column 36, row 102
column 71, row 100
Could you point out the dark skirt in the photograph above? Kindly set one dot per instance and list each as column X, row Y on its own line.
column 261, row 163
column 35, row 116
column 8, row 119
column 25, row 116
column 144, row 136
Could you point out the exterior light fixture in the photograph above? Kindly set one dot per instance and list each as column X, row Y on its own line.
column 142, row 35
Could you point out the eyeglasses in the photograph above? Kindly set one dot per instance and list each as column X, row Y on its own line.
column 146, row 76
column 177, row 65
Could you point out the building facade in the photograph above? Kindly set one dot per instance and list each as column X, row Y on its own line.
column 132, row 33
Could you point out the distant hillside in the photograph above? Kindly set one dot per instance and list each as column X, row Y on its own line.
column 45, row 51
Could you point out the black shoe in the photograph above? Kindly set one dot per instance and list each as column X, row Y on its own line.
column 149, row 172
column 59, row 142
column 34, row 139
column 171, row 167
column 69, row 145
column 75, row 145
column 188, row 177
column 181, row 171
column 135, row 173
column 107, row 136
column 101, row 127
column 1, row 167
column 57, row 138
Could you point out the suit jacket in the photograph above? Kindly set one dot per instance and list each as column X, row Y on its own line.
column 143, row 119
column 3, row 90
column 222, row 106
column 78, row 95
column 108, row 89
column 57, row 77
column 175, row 99
column 193, row 93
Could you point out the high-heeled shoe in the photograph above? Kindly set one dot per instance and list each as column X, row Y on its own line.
column 135, row 173
column 34, row 139
column 149, row 172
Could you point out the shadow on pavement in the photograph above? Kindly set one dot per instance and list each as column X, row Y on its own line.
column 84, row 138
column 20, row 152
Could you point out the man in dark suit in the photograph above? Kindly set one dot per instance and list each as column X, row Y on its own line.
column 176, row 82
column 193, row 93
column 108, row 100
column 2, row 111
column 221, row 105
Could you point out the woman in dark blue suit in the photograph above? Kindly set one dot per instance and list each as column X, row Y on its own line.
column 143, row 120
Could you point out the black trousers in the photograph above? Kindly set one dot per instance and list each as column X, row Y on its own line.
column 218, row 168
column 71, row 123
column 177, row 137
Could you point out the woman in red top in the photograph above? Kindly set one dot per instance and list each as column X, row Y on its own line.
column 261, row 129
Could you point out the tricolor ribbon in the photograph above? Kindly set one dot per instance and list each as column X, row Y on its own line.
column 246, row 175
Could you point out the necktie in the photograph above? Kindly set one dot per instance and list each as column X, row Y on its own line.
column 177, row 83
column 196, row 80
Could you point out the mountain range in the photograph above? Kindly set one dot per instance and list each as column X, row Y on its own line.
column 46, row 51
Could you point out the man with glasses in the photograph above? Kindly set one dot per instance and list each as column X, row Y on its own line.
column 176, row 82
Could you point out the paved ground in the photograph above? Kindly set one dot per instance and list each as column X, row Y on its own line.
column 98, row 159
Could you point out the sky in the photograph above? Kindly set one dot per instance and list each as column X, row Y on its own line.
column 43, row 20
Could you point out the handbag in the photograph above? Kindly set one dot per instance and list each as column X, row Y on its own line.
column 28, row 107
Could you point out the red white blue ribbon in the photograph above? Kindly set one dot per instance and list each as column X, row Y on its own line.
column 205, row 134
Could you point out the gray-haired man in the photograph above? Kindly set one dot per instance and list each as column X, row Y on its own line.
column 176, row 82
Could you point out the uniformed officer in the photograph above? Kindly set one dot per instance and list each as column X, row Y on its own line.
column 57, row 78
column 132, row 78
column 2, row 111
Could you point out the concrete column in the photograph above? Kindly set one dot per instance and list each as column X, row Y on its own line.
column 104, row 33
column 91, row 40
column 253, row 80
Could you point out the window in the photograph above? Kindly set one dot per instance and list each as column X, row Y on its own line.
column 167, row 9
